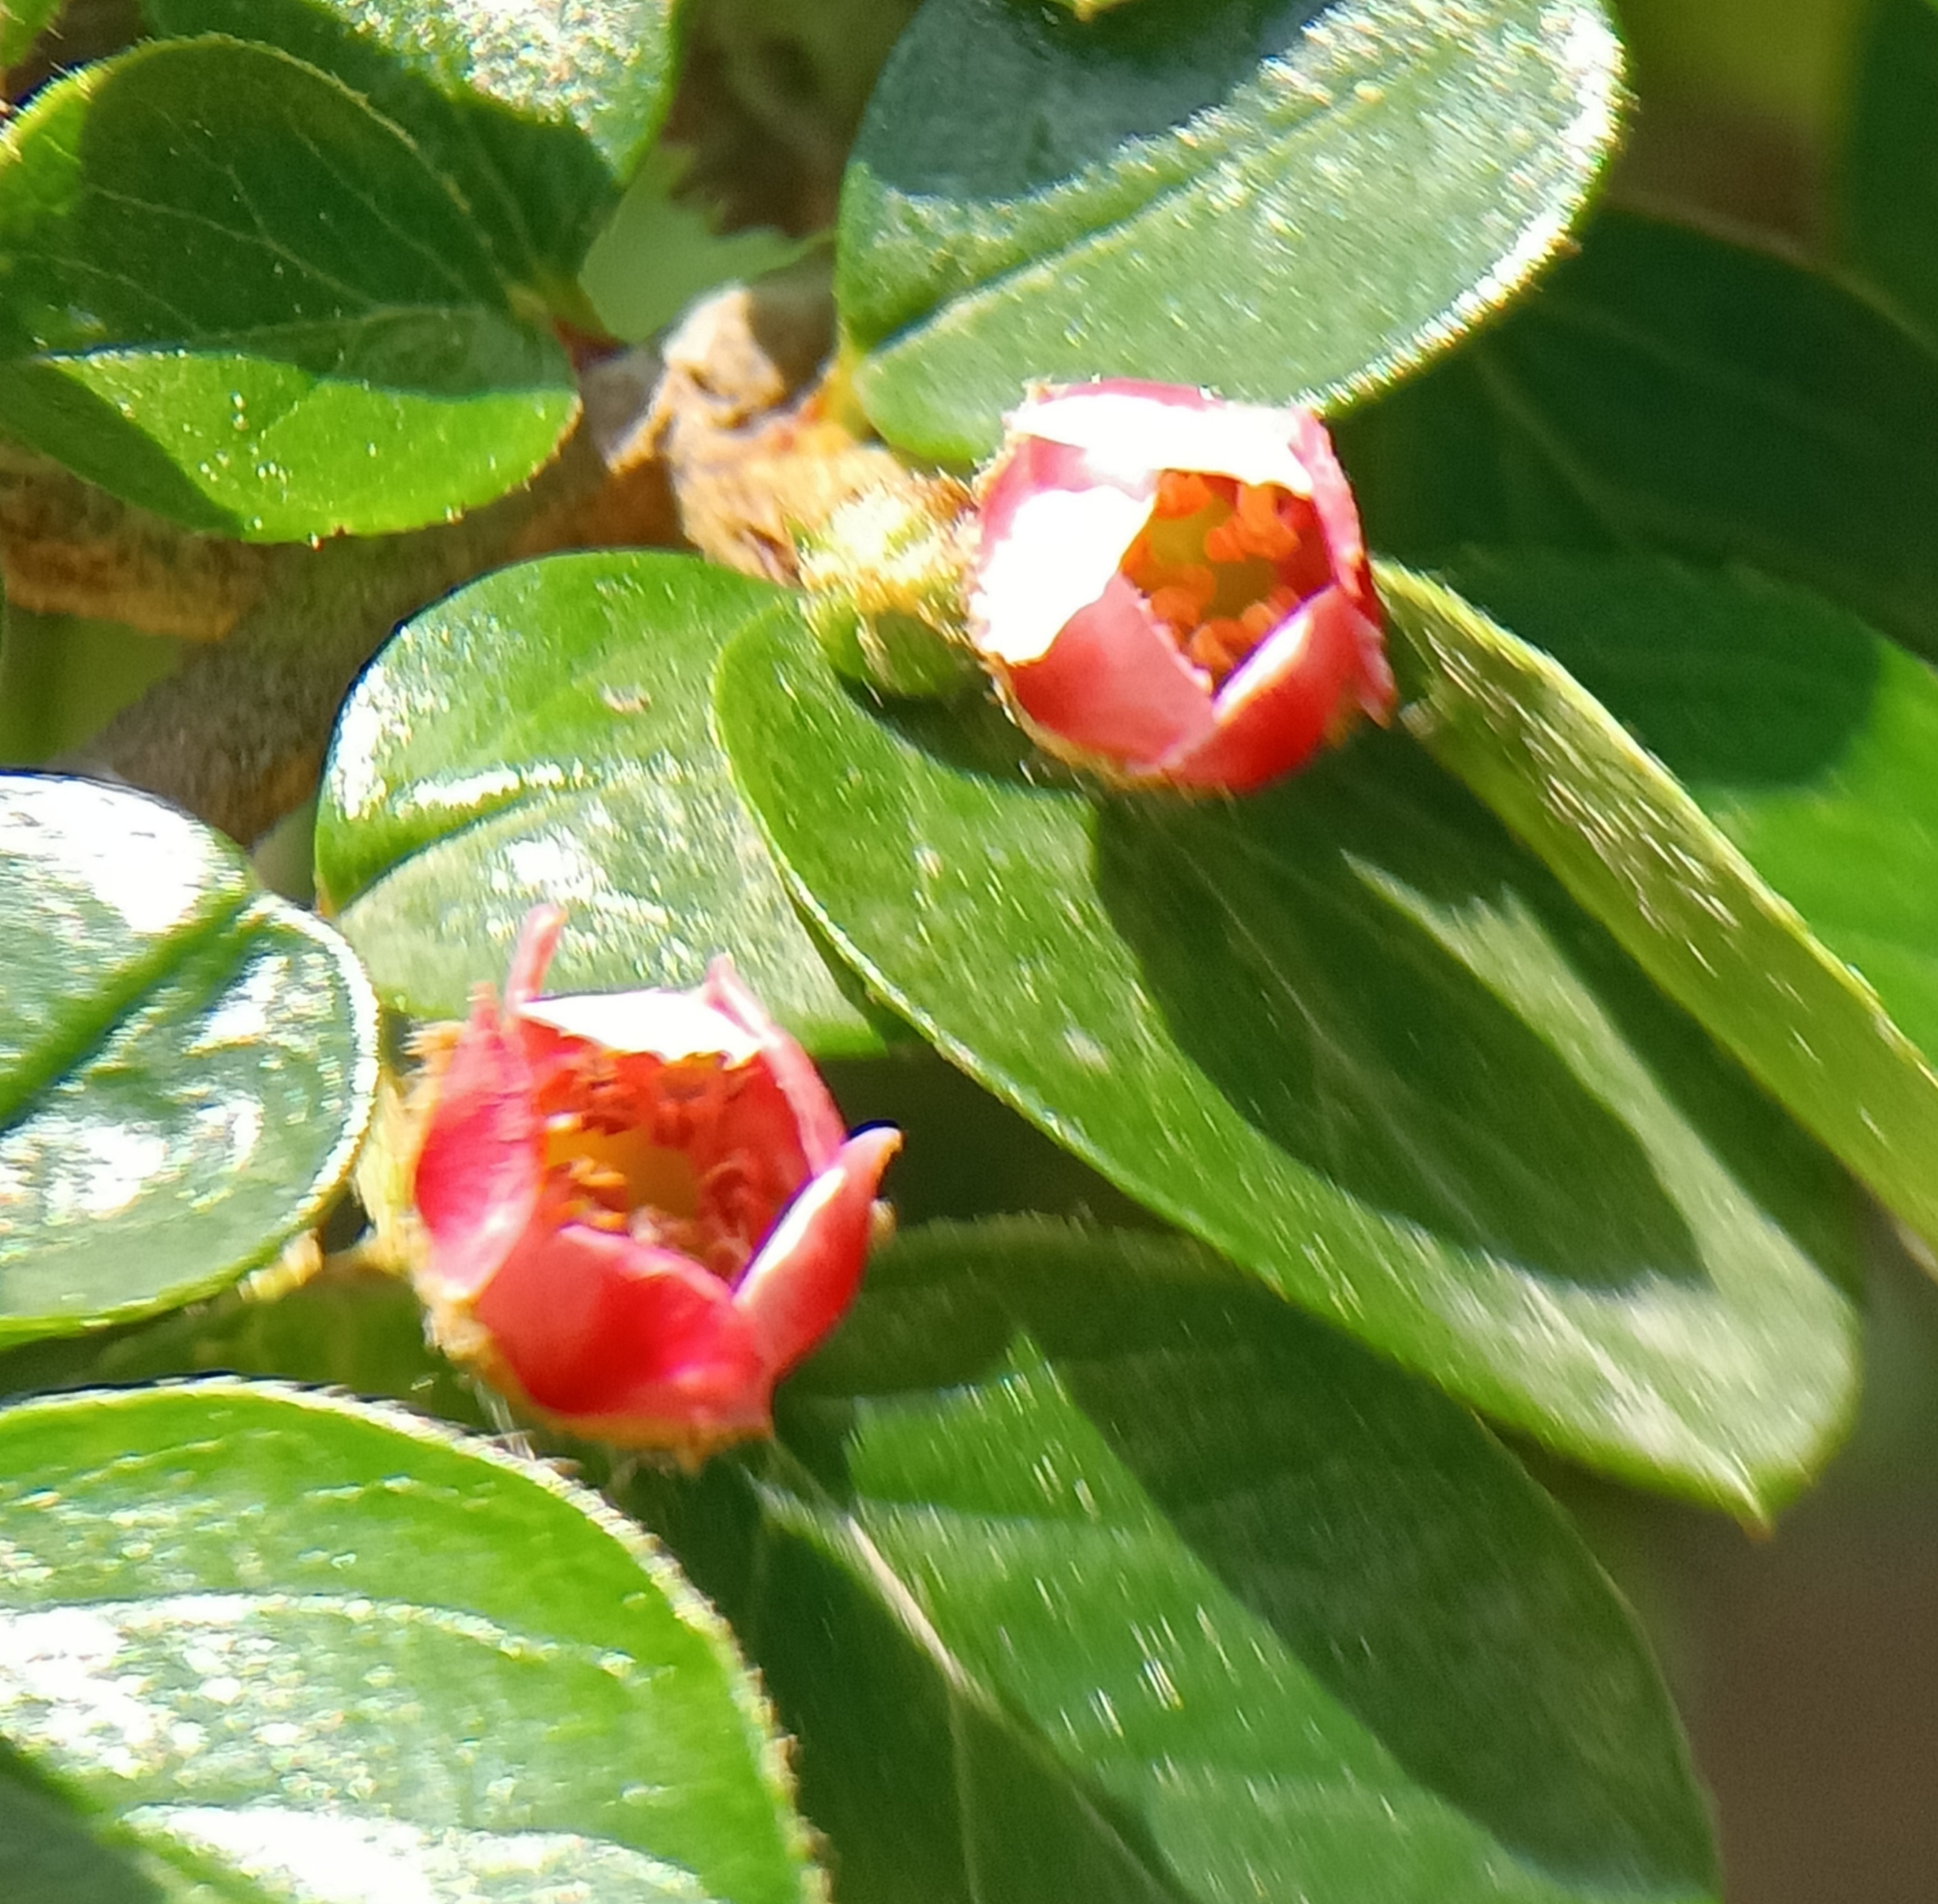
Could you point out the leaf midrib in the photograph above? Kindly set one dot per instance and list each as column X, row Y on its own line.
column 255, row 340
column 1305, row 1793
column 107, row 1008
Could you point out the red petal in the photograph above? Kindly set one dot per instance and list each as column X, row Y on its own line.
column 537, row 940
column 1112, row 685
column 628, row 1343
column 801, row 1282
column 1049, row 549
column 818, row 1128
column 477, row 1182
column 1338, row 514
column 1280, row 708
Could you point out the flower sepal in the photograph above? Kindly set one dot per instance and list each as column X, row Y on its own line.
column 884, row 574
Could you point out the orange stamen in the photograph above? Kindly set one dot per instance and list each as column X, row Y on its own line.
column 1180, row 492
column 1222, row 563
column 1177, row 607
column 1220, row 645
column 1261, row 529
column 1224, row 543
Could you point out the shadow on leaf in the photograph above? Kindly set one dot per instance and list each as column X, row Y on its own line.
column 1074, row 92
column 1285, row 940
column 1729, row 679
column 918, row 1788
column 539, row 188
column 1395, row 1554
column 50, row 1857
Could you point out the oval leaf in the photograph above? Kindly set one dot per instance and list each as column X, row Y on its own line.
column 1637, row 851
column 537, row 114
column 1273, row 201
column 1131, row 1583
column 302, row 330
column 1349, row 1034
column 330, row 1650
column 1670, row 389
column 546, row 734
column 186, row 1064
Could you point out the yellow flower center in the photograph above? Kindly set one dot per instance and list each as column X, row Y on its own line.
column 624, row 1181
column 1223, row 563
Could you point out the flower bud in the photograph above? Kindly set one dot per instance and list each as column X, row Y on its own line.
column 640, row 1207
column 1172, row 590
column 883, row 573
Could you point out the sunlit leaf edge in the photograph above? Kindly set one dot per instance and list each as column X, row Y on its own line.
column 1517, row 742
column 1597, row 134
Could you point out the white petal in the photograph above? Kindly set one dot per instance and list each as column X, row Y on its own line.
column 1131, row 436
column 666, row 1024
column 1267, row 663
column 1061, row 548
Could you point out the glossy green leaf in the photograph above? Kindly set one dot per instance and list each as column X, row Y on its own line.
column 1094, row 1571
column 1806, row 738
column 309, row 1648
column 1671, row 388
column 1888, row 183
column 22, row 22
column 1770, row 688
column 1351, row 1035
column 1270, row 200
column 546, row 734
column 536, row 113
column 232, row 294
column 186, row 1063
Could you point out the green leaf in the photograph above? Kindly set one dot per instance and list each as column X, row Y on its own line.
column 1096, row 1573
column 304, row 1647
column 355, row 1329
column 546, row 734
column 232, row 294
column 186, row 1063
column 1779, row 680
column 22, row 22
column 1222, row 192
column 1806, row 738
column 659, row 252
column 537, row 114
column 1351, row 1036
column 50, row 1857
column 1670, row 389
column 63, row 677
column 1888, row 183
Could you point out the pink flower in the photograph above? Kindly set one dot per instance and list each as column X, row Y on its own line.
column 1173, row 589
column 641, row 1206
